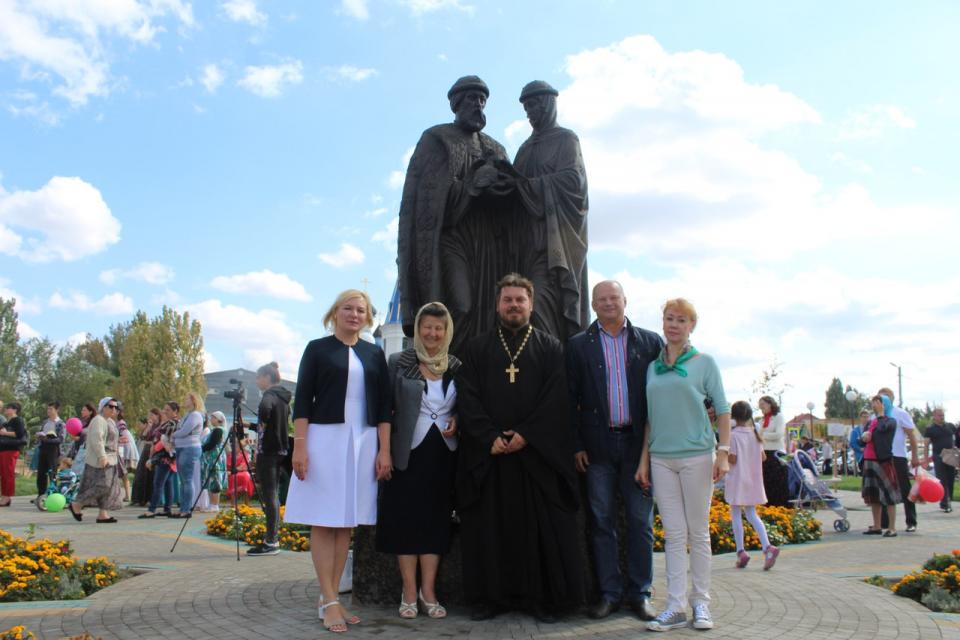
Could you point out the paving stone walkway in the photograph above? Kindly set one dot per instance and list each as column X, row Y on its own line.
column 201, row 591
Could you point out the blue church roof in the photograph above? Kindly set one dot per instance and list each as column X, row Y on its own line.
column 393, row 309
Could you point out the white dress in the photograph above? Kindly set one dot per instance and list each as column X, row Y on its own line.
column 340, row 488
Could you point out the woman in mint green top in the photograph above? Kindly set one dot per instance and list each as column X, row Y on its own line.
column 678, row 460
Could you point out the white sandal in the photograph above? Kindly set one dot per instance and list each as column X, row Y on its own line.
column 330, row 627
column 432, row 609
column 407, row 610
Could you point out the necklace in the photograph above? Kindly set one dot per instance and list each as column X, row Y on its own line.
column 512, row 370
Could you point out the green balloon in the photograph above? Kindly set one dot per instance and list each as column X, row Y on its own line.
column 55, row 502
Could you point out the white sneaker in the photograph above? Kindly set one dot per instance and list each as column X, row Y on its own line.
column 701, row 617
column 667, row 620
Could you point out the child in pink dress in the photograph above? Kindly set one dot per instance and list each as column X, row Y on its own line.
column 743, row 488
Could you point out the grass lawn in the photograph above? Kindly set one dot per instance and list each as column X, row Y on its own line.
column 26, row 486
column 852, row 483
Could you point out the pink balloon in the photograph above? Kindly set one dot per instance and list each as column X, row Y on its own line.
column 931, row 490
column 74, row 426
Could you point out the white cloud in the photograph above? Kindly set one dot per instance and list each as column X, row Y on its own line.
column 357, row 9
column 396, row 178
column 244, row 11
column 352, row 73
column 421, row 7
column 347, row 256
column 66, row 219
column 211, row 78
column 26, row 331
column 841, row 159
column 375, row 213
column 210, row 362
column 150, row 272
column 64, row 38
column 27, row 105
column 266, row 283
column 675, row 146
column 269, row 81
column 388, row 235
column 23, row 304
column 108, row 305
column 262, row 336
column 874, row 120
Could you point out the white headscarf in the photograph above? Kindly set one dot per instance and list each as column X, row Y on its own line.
column 436, row 364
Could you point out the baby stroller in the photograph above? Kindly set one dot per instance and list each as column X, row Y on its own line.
column 809, row 491
column 65, row 482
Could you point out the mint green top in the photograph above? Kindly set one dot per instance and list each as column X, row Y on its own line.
column 679, row 426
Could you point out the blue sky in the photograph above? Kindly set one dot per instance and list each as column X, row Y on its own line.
column 786, row 167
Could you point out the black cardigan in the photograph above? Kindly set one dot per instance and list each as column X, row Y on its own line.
column 322, row 382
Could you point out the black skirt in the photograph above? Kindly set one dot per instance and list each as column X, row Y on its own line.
column 775, row 481
column 142, row 479
column 413, row 514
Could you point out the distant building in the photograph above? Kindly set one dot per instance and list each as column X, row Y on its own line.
column 219, row 381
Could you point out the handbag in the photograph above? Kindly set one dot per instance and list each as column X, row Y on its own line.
column 951, row 457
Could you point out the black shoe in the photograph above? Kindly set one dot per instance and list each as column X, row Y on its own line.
column 643, row 608
column 873, row 532
column 484, row 612
column 264, row 549
column 602, row 609
column 544, row 615
column 948, row 509
column 911, row 528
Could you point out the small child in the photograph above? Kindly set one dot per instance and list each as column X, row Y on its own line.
column 744, row 483
column 66, row 478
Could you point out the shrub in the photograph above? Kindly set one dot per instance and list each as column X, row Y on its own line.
column 253, row 528
column 784, row 526
column 47, row 570
column 936, row 585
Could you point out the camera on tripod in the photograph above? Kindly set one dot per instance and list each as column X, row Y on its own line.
column 238, row 394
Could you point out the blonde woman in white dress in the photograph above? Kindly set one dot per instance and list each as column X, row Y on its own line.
column 341, row 419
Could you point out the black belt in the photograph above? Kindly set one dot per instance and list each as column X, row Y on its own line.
column 621, row 428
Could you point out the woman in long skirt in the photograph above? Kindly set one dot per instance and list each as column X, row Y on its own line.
column 415, row 505
column 341, row 419
column 774, row 433
column 101, row 485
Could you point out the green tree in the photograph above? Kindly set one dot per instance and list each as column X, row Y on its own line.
column 836, row 403
column 11, row 351
column 74, row 381
column 160, row 359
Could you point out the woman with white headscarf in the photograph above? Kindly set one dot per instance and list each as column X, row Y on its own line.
column 415, row 504
column 100, row 485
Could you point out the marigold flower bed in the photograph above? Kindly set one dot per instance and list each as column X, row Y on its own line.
column 47, row 570
column 253, row 528
column 784, row 526
column 936, row 585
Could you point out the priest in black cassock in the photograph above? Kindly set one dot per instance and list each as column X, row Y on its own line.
column 516, row 483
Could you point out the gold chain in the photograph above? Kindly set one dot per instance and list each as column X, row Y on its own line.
column 512, row 370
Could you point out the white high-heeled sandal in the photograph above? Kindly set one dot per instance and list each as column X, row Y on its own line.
column 432, row 609
column 330, row 627
column 407, row 610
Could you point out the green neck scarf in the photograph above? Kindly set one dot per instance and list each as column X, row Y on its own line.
column 662, row 367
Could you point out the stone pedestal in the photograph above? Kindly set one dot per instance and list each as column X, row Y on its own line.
column 376, row 577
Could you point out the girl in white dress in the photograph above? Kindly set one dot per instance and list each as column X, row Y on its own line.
column 341, row 444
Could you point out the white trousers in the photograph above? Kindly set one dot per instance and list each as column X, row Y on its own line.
column 682, row 488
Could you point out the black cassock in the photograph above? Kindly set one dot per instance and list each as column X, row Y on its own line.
column 518, row 510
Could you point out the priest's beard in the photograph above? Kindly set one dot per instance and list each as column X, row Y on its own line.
column 515, row 321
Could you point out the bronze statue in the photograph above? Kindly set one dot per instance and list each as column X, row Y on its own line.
column 454, row 219
column 551, row 189
column 468, row 217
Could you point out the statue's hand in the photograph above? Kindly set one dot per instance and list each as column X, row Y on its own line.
column 484, row 176
column 506, row 168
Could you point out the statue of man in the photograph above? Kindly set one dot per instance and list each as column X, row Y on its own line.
column 551, row 184
column 454, row 219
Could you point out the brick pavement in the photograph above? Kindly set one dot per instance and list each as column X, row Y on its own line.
column 201, row 591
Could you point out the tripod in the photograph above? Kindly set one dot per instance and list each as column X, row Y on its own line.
column 234, row 437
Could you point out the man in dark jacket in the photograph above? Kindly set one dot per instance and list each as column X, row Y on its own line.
column 606, row 373
column 273, row 419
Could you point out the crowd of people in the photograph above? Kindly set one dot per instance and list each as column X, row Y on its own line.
column 497, row 439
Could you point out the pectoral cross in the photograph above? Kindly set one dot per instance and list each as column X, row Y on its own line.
column 513, row 371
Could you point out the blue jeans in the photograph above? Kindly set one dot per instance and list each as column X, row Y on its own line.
column 188, row 470
column 603, row 481
column 162, row 487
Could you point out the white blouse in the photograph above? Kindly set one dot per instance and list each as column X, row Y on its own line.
column 774, row 436
column 435, row 408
